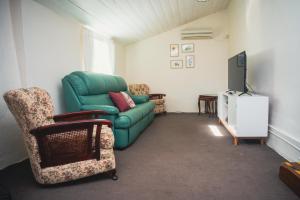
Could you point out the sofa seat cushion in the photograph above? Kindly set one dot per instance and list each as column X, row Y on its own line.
column 132, row 116
column 106, row 137
column 159, row 108
column 77, row 170
column 111, row 110
column 158, row 101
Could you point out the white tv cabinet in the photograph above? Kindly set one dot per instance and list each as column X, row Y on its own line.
column 245, row 117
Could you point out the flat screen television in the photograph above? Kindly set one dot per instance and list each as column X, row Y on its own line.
column 237, row 68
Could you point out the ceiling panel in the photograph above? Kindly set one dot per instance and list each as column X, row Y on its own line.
column 129, row 21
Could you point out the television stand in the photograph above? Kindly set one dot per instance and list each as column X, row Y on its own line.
column 245, row 117
column 229, row 91
column 236, row 139
column 248, row 93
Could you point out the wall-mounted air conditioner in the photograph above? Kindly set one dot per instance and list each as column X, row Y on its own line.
column 197, row 34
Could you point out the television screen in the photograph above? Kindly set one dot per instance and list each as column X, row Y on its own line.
column 237, row 73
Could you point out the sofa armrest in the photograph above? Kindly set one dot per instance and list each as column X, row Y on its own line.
column 110, row 110
column 156, row 96
column 140, row 99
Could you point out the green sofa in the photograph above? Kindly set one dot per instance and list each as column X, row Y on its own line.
column 89, row 91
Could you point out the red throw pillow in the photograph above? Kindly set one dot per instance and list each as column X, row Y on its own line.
column 119, row 101
column 128, row 99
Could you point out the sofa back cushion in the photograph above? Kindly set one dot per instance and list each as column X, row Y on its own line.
column 139, row 89
column 32, row 107
column 101, row 99
column 89, row 83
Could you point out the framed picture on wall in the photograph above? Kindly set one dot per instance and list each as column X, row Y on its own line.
column 174, row 50
column 187, row 48
column 176, row 64
column 190, row 61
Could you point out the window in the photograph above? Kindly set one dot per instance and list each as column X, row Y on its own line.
column 99, row 53
column 101, row 57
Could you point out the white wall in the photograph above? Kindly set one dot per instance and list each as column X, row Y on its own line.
column 52, row 50
column 148, row 61
column 269, row 32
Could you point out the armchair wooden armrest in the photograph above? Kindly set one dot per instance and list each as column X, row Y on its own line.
column 61, row 127
column 68, row 142
column 72, row 116
column 156, row 96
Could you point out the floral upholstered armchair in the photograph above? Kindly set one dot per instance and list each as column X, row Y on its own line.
column 158, row 99
column 63, row 147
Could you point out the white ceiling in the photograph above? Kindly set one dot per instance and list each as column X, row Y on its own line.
column 129, row 21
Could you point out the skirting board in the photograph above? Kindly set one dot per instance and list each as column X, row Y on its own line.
column 284, row 145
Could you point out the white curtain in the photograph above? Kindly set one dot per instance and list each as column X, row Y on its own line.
column 87, row 49
column 12, row 75
column 98, row 53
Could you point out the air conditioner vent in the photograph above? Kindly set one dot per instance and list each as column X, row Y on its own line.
column 197, row 34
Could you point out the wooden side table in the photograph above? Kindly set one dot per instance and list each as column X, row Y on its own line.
column 210, row 104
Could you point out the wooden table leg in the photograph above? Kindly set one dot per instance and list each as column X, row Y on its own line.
column 262, row 141
column 212, row 108
column 209, row 108
column 199, row 106
column 216, row 107
column 210, row 105
column 235, row 141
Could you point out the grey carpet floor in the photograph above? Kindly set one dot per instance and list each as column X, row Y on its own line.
column 177, row 157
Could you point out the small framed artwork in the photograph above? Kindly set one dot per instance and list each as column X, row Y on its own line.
column 187, row 48
column 176, row 64
column 174, row 50
column 190, row 61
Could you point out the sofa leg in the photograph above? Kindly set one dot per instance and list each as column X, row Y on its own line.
column 114, row 175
